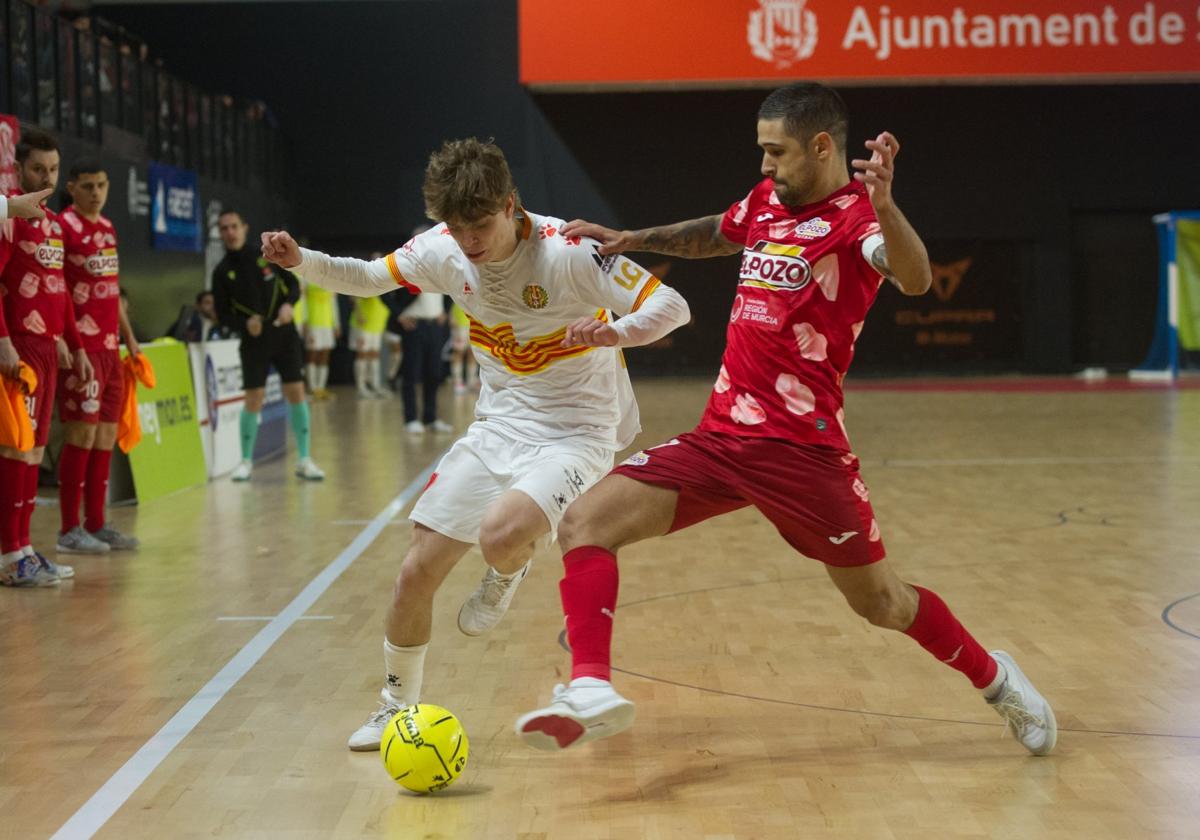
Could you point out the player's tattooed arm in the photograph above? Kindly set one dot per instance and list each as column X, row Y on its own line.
column 693, row 239
column 880, row 261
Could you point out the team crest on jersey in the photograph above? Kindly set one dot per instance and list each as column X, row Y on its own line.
column 534, row 296
column 813, row 228
column 637, row 459
column 769, row 265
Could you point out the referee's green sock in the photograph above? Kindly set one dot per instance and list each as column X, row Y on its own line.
column 299, row 412
column 248, row 424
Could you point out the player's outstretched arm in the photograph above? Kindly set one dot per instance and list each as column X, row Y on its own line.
column 361, row 278
column 902, row 257
column 693, row 239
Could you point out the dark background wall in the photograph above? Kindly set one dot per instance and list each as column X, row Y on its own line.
column 1051, row 186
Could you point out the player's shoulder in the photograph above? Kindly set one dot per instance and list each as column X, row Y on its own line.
column 545, row 233
column 435, row 241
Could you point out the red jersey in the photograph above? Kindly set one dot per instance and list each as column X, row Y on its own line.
column 804, row 290
column 31, row 281
column 91, row 269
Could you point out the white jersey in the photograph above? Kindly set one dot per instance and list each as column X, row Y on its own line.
column 532, row 387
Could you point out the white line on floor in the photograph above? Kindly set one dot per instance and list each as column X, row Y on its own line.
column 105, row 802
column 272, row 618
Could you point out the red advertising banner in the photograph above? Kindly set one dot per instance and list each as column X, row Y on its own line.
column 711, row 43
column 10, row 133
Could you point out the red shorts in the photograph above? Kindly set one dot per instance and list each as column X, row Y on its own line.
column 41, row 354
column 812, row 495
column 98, row 401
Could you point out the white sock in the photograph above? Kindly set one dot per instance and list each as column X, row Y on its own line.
column 405, row 670
column 12, row 557
column 322, row 376
column 312, row 377
column 360, row 374
column 373, row 375
column 27, row 550
column 992, row 691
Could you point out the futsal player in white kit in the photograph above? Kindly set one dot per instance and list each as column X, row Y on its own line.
column 555, row 403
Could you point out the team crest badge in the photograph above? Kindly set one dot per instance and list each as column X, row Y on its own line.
column 782, row 32
column 534, row 296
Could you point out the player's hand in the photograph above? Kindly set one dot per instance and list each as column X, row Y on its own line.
column 254, row 326
column 286, row 313
column 10, row 362
column 407, row 324
column 83, row 366
column 132, row 345
column 877, row 172
column 279, row 247
column 64, row 355
column 28, row 206
column 590, row 332
column 611, row 241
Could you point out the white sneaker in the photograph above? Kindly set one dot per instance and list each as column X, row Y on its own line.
column 440, row 427
column 306, row 469
column 415, row 427
column 242, row 471
column 79, row 541
column 366, row 738
column 1029, row 717
column 583, row 711
column 488, row 604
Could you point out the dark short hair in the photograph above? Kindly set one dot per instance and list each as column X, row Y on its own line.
column 807, row 109
column 466, row 180
column 87, row 166
column 35, row 139
column 232, row 211
column 202, row 295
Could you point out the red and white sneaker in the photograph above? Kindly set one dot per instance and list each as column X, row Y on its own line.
column 583, row 711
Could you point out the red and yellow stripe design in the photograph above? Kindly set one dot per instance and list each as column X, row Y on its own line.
column 394, row 270
column 647, row 290
column 535, row 355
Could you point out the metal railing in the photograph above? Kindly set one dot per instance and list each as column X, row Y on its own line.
column 84, row 77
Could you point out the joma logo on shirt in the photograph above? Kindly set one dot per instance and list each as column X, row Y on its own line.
column 772, row 266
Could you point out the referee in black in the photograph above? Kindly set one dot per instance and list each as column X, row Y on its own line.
column 254, row 300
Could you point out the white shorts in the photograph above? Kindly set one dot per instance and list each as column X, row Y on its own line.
column 319, row 338
column 460, row 336
column 365, row 342
column 484, row 463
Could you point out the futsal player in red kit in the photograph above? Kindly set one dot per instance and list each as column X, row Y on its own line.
column 817, row 244
column 35, row 316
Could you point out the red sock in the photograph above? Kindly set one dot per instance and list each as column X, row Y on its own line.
column 31, row 488
column 12, row 502
column 72, row 468
column 96, row 489
column 589, row 598
column 937, row 630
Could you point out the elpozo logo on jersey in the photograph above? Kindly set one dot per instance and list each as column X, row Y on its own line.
column 782, row 32
column 50, row 254
column 769, row 265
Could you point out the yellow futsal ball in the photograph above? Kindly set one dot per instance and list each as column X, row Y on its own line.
column 424, row 748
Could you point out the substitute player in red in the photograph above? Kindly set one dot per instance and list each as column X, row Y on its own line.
column 36, row 313
column 90, row 410
column 816, row 246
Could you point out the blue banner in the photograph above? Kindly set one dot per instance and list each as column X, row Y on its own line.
column 174, row 208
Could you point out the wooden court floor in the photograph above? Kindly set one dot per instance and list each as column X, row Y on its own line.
column 198, row 689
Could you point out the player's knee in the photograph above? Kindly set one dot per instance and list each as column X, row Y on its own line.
column 573, row 530
column 500, row 541
column 416, row 580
